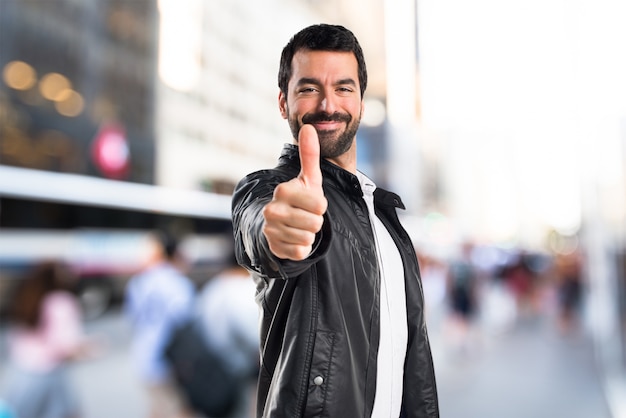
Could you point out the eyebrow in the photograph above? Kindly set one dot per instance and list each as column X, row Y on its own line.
column 310, row 80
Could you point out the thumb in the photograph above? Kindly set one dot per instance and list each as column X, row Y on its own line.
column 309, row 148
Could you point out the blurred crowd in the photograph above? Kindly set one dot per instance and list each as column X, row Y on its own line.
column 194, row 348
column 479, row 290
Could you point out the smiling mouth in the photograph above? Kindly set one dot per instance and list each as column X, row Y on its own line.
column 327, row 125
column 325, row 118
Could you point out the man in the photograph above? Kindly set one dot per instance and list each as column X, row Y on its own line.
column 342, row 327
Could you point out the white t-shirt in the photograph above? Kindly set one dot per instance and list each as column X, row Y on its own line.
column 393, row 316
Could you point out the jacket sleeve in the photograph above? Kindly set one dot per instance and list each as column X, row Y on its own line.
column 251, row 247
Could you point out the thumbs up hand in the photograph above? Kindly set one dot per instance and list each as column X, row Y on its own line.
column 295, row 214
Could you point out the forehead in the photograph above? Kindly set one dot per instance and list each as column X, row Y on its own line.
column 324, row 66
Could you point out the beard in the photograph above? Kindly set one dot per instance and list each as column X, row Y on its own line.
column 335, row 142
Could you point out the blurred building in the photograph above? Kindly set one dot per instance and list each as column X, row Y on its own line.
column 217, row 101
column 181, row 95
column 217, row 94
column 77, row 93
column 78, row 87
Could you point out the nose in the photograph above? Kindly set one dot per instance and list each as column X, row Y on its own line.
column 327, row 103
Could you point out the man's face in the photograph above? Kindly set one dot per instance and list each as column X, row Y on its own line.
column 324, row 91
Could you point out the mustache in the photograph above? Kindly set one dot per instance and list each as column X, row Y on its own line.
column 325, row 117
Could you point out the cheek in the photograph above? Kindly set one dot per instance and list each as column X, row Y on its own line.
column 357, row 109
column 295, row 110
column 352, row 107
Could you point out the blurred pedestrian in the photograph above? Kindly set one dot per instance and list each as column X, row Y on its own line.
column 462, row 296
column 521, row 281
column 45, row 335
column 343, row 331
column 230, row 319
column 569, row 271
column 158, row 299
column 434, row 281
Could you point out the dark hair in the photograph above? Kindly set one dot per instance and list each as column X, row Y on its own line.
column 169, row 242
column 321, row 37
column 40, row 280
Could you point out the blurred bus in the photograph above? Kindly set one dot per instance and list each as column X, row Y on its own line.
column 100, row 228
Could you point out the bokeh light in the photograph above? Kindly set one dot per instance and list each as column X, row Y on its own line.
column 54, row 86
column 19, row 75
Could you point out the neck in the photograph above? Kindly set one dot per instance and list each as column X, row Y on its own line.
column 347, row 160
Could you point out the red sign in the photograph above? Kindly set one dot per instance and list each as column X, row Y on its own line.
column 110, row 151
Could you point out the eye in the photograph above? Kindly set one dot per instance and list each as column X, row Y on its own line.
column 345, row 90
column 306, row 90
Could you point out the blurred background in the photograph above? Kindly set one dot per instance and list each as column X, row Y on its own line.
column 502, row 125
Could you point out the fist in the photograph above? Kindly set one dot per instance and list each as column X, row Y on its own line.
column 295, row 214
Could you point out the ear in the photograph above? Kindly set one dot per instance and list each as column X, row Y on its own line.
column 282, row 105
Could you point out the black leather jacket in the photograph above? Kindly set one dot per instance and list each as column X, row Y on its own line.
column 320, row 316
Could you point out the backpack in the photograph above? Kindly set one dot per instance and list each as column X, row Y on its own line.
column 202, row 375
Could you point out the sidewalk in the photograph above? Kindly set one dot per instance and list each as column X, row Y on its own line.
column 529, row 371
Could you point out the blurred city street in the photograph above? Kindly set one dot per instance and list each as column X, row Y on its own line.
column 120, row 119
column 527, row 371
